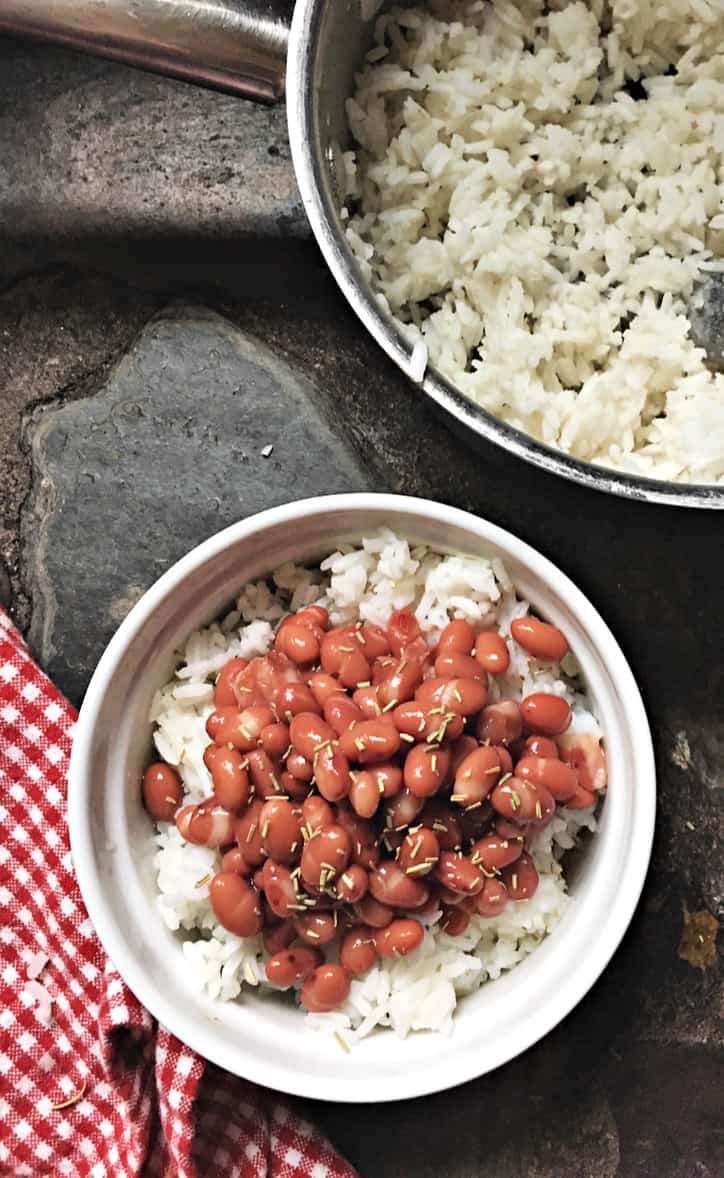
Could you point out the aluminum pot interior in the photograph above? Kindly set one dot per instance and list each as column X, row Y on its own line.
column 327, row 44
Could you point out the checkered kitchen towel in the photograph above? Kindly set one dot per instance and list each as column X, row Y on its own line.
column 90, row 1086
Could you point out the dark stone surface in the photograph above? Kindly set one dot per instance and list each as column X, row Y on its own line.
column 630, row 1085
column 171, row 449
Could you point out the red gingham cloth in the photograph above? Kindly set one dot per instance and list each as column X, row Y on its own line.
column 137, row 1102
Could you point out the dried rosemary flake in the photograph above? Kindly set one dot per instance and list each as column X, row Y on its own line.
column 406, row 736
column 345, row 1046
column 71, row 1099
column 388, row 707
column 417, row 868
column 204, row 880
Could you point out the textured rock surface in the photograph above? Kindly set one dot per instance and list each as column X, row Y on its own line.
column 630, row 1085
column 171, row 449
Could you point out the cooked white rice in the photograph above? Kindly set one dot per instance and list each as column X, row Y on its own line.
column 421, row 991
column 541, row 230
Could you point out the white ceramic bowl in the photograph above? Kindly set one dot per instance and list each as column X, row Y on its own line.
column 259, row 1037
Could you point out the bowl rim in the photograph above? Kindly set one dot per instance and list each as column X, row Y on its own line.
column 192, row 1032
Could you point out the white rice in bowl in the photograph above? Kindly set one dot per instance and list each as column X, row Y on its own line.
column 418, row 992
column 536, row 188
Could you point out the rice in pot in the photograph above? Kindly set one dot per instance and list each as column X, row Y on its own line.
column 535, row 191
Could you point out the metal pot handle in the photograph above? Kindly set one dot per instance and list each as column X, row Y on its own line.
column 237, row 46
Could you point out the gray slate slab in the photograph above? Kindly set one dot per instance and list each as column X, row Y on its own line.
column 166, row 453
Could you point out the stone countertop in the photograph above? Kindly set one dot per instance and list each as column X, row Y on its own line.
column 164, row 316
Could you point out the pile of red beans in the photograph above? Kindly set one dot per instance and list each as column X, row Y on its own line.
column 359, row 776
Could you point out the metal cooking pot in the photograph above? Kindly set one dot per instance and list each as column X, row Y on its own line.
column 259, row 49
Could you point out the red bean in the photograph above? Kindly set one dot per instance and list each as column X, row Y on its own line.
column 492, row 652
column 336, row 645
column 316, row 928
column 464, row 697
column 299, row 767
column 281, row 830
column 438, row 817
column 326, row 989
column 298, row 642
column 493, row 898
column 314, row 615
column 293, row 699
column 279, row 936
column 372, row 640
column 546, row 713
column 425, row 770
column 223, row 691
column 369, row 741
column 455, row 920
column 341, row 712
column 429, row 693
column 354, row 670
column 402, row 810
column 230, row 779
column 500, row 723
column 240, row 729
column 521, row 800
column 207, row 825
column 560, row 779
column 357, row 951
column 453, row 665
column 411, row 718
column 308, row 733
column 278, row 885
column 274, row 739
column 365, row 698
column 247, row 832
column 582, row 799
column 541, row 639
column 476, row 776
column 457, row 637
column 504, row 757
column 234, row 860
column 402, row 630
column 388, row 776
column 419, row 852
column 390, row 885
column 317, row 812
column 290, row 967
column 162, row 791
column 521, row 878
column 540, row 746
column 332, row 774
column 352, row 884
column 236, row 904
column 264, row 774
column 365, row 847
column 459, row 751
column 292, row 787
column 322, row 686
column 507, row 830
column 459, row 874
column 399, row 938
column 400, row 684
column 364, row 794
column 492, row 852
column 325, row 857
column 370, row 912
column 211, row 752
column 585, row 753
column 272, row 674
